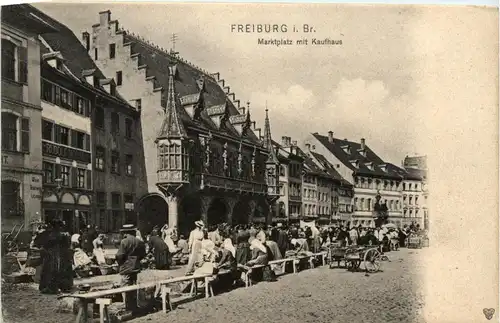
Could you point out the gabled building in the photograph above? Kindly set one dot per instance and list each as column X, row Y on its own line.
column 92, row 152
column 366, row 171
column 415, row 192
column 203, row 158
column 22, row 190
column 341, row 191
column 289, row 204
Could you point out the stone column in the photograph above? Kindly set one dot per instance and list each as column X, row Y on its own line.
column 205, row 204
column 230, row 202
column 252, row 205
column 173, row 209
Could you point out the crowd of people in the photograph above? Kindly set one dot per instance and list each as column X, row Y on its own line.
column 206, row 249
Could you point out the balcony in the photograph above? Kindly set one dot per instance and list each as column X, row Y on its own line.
column 229, row 184
column 295, row 198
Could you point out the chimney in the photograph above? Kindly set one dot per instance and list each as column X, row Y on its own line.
column 308, row 146
column 283, row 141
column 330, row 136
column 86, row 40
column 294, row 143
column 288, row 141
column 104, row 18
column 363, row 143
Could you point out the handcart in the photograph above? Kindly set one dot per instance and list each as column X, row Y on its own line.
column 369, row 256
column 336, row 253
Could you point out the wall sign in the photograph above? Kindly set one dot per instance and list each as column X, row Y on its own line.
column 55, row 150
column 35, row 188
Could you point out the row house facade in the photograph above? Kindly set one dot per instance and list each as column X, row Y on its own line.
column 92, row 152
column 21, row 117
column 415, row 191
column 341, row 191
column 290, row 180
column 204, row 158
column 368, row 173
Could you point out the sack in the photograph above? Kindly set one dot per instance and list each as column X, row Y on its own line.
column 34, row 258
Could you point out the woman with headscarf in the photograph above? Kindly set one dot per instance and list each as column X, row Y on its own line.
column 260, row 256
column 57, row 269
column 160, row 251
column 194, row 244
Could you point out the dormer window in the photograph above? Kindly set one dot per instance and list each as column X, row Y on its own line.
column 59, row 65
column 383, row 167
column 347, row 149
column 362, row 152
column 355, row 163
column 369, row 165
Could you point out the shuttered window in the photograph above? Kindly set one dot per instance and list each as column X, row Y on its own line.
column 25, row 135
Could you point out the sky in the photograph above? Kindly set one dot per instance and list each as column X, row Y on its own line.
column 372, row 86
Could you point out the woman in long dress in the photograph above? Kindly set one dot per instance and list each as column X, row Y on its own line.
column 168, row 237
column 194, row 243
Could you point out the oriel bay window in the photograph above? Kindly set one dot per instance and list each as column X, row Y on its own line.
column 61, row 135
column 173, row 157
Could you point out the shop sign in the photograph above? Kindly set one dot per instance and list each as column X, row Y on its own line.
column 129, row 206
column 64, row 152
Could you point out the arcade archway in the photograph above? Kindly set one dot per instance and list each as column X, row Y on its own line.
column 153, row 211
column 189, row 212
column 217, row 212
column 261, row 210
column 241, row 213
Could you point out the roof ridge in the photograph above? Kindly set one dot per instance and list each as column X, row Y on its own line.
column 162, row 50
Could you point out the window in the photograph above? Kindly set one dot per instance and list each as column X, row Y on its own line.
column 78, row 139
column 48, row 172
column 96, row 57
column 115, row 200
column 128, row 127
column 9, row 131
column 128, row 164
column 138, row 104
column 115, row 162
column 119, row 79
column 47, row 130
column 282, row 170
column 65, row 175
column 115, row 122
column 8, row 60
column 112, row 51
column 12, row 204
column 82, row 106
column 80, row 177
column 47, row 91
column 66, row 99
column 99, row 117
column 101, row 199
column 62, row 135
column 173, row 157
column 100, row 153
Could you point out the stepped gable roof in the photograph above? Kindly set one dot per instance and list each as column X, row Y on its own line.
column 76, row 57
column 336, row 148
column 187, row 86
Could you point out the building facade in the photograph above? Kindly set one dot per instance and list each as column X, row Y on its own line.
column 92, row 150
column 368, row 173
column 415, row 191
column 21, row 116
column 202, row 156
column 289, row 204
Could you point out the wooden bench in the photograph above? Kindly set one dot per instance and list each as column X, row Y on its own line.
column 323, row 255
column 284, row 261
column 102, row 297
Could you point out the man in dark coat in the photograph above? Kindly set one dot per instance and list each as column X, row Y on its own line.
column 282, row 240
column 129, row 256
column 160, row 251
column 88, row 237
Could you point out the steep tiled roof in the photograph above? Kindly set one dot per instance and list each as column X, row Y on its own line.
column 187, row 86
column 415, row 174
column 338, row 148
column 76, row 57
column 329, row 168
